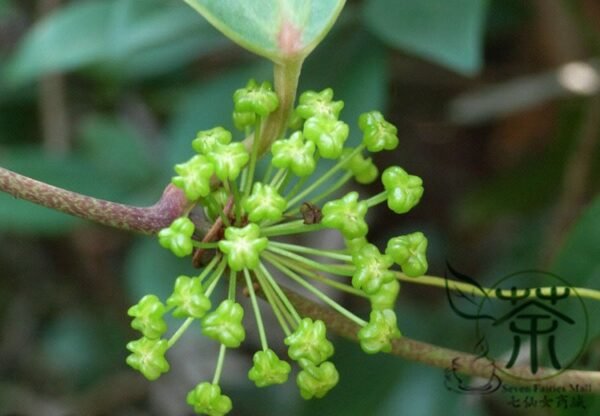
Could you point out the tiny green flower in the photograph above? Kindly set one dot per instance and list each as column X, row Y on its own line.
column 259, row 99
column 404, row 191
column 295, row 154
column 364, row 170
column 409, row 251
column 372, row 269
column 264, row 203
column 316, row 381
column 229, row 160
column 378, row 334
column 225, row 324
column 194, row 177
column 268, row 369
column 207, row 140
column 178, row 237
column 188, row 298
column 309, row 342
column 148, row 317
column 313, row 104
column 243, row 246
column 148, row 357
column 244, row 119
column 378, row 133
column 386, row 296
column 206, row 398
column 328, row 134
column 355, row 244
column 347, row 215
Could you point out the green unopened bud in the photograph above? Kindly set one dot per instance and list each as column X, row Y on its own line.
column 364, row 170
column 313, row 104
column 206, row 398
column 372, row 269
column 243, row 246
column 268, row 369
column 328, row 135
column 178, row 237
column 244, row 119
column 264, row 203
column 188, row 298
column 316, row 381
column 386, row 296
column 309, row 342
column 404, row 191
column 207, row 140
column 148, row 317
column 225, row 324
column 295, row 154
column 378, row 334
column 229, row 160
column 409, row 251
column 148, row 357
column 194, row 177
column 259, row 99
column 378, row 134
column 347, row 215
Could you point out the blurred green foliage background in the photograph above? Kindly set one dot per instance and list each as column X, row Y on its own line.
column 104, row 96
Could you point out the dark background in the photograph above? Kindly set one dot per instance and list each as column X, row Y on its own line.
column 104, row 96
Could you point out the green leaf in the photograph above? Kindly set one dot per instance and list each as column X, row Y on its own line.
column 448, row 32
column 125, row 38
column 276, row 29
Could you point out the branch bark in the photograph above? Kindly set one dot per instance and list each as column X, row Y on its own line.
column 145, row 220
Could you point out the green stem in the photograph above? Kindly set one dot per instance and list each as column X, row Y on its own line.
column 298, row 279
column 315, row 276
column 208, row 268
column 277, row 178
column 237, row 201
column 259, row 322
column 275, row 303
column 308, row 250
column 179, row 332
column 199, row 244
column 253, row 157
column 214, row 279
column 220, row 361
column 286, row 303
column 289, row 228
column 377, row 199
column 338, row 269
column 341, row 163
column 232, row 282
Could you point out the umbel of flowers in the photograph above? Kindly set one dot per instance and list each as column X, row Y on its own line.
column 248, row 213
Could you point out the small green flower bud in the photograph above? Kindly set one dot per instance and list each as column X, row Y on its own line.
column 243, row 246
column 313, row 104
column 386, row 296
column 148, row 317
column 229, row 160
column 259, row 99
column 309, row 342
column 268, row 369
column 148, row 357
column 264, row 203
column 328, row 134
column 378, row 133
column 404, row 190
column 294, row 154
column 378, row 334
column 364, row 170
column 355, row 244
column 316, row 381
column 207, row 140
column 244, row 119
column 409, row 251
column 194, row 177
column 347, row 215
column 188, row 298
column 372, row 269
column 225, row 324
column 206, row 398
column 178, row 237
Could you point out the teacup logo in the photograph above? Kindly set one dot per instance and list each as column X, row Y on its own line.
column 529, row 319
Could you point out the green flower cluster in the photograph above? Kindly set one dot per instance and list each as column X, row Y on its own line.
column 247, row 211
